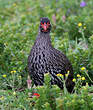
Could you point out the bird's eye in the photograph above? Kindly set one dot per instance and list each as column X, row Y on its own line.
column 41, row 23
column 48, row 23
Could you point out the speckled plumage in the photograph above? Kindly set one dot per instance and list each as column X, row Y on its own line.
column 44, row 58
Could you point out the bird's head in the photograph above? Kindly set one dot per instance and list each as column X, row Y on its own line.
column 45, row 25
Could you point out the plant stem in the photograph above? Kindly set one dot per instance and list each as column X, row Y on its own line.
column 83, row 36
column 88, row 76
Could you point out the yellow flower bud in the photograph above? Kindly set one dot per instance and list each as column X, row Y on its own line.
column 59, row 75
column 86, row 84
column 14, row 4
column 11, row 72
column 14, row 93
column 19, row 77
column 84, row 27
column 66, row 75
column 68, row 72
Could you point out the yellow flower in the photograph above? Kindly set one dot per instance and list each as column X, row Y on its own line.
column 59, row 75
column 78, row 75
column 83, row 78
column 83, row 68
column 79, row 24
column 14, row 93
column 2, row 98
column 4, row 75
column 84, row 27
column 74, row 80
column 13, row 72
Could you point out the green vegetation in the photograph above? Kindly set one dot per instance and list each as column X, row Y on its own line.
column 72, row 33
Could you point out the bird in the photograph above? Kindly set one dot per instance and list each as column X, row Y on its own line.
column 44, row 58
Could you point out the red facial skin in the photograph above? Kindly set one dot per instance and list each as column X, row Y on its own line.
column 45, row 26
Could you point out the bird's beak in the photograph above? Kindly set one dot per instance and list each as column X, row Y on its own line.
column 45, row 26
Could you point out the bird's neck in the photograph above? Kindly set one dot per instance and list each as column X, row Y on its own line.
column 43, row 40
